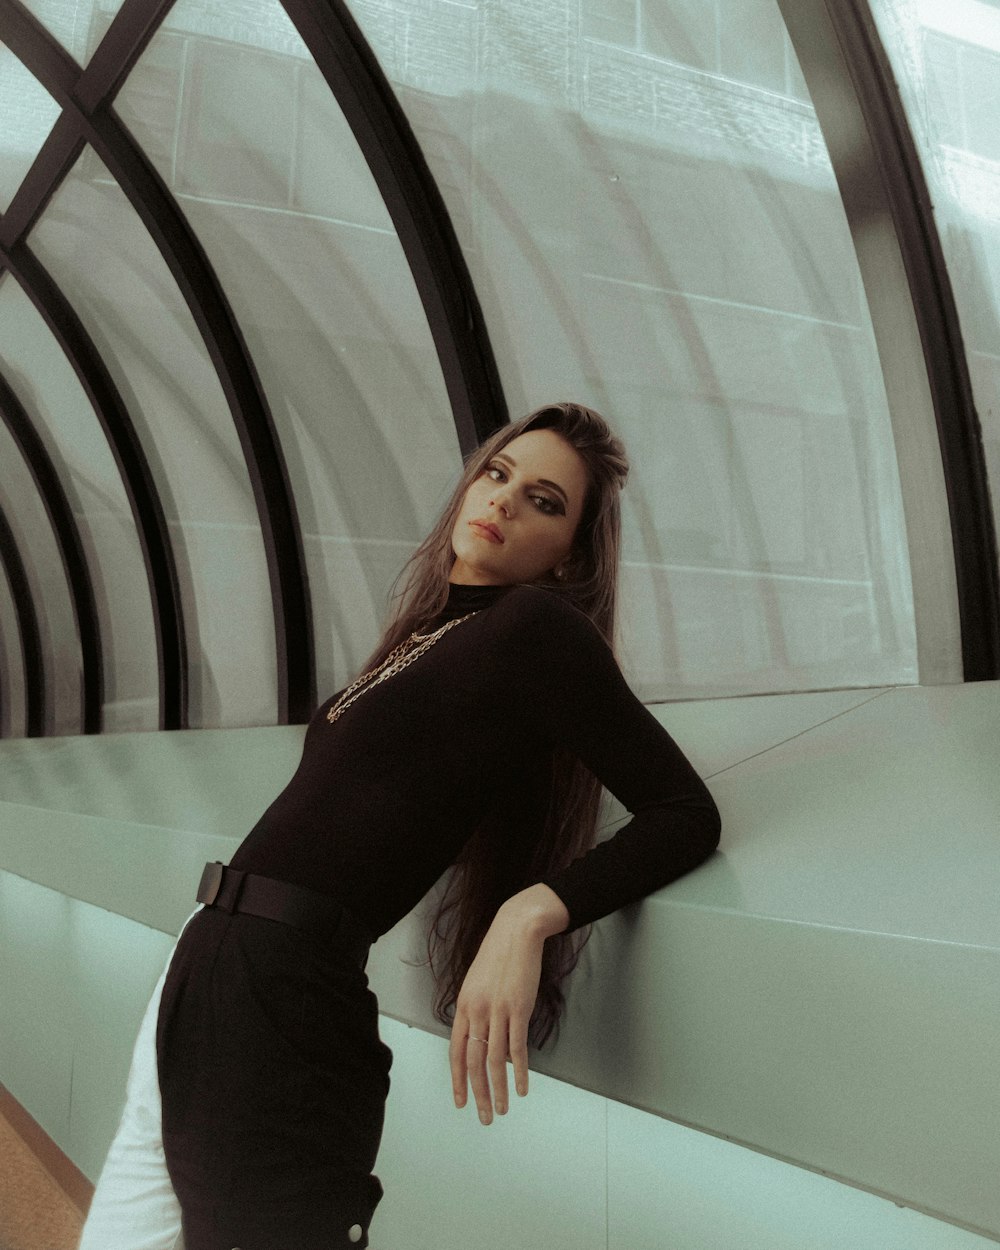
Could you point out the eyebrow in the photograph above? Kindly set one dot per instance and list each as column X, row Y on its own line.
column 542, row 481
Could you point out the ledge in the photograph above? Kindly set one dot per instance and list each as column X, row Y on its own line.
column 826, row 989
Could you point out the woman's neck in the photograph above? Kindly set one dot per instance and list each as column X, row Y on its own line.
column 463, row 599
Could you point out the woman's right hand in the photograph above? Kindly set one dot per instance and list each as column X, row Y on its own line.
column 497, row 998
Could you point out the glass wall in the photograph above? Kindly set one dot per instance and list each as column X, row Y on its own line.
column 250, row 139
column 652, row 223
column 95, row 246
column 69, row 21
column 48, row 388
column 946, row 58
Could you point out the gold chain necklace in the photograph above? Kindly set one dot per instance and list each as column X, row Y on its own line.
column 399, row 657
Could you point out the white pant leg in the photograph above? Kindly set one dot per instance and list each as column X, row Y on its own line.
column 134, row 1206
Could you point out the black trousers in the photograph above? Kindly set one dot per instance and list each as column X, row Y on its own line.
column 273, row 1081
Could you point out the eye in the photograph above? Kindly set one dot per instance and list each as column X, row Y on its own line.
column 551, row 507
column 496, row 473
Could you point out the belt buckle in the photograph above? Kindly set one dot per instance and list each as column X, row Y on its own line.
column 211, row 883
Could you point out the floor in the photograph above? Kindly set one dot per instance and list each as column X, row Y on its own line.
column 35, row 1214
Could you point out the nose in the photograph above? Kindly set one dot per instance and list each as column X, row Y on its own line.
column 503, row 499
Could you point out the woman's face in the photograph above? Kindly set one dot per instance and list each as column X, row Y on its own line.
column 519, row 517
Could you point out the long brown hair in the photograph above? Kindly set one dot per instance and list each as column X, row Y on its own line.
column 565, row 795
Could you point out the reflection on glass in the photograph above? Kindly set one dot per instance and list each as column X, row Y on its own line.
column 271, row 179
column 217, row 134
column 946, row 59
column 28, row 113
column 92, row 241
column 742, row 40
column 653, row 226
column 74, row 22
column 44, row 381
column 36, row 544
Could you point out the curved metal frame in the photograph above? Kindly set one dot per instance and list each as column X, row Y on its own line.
column 880, row 178
column 137, row 479
column 418, row 213
column 58, row 154
column 27, row 624
column 891, row 218
column 71, row 552
column 83, row 94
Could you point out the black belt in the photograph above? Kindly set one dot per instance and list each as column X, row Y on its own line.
column 235, row 891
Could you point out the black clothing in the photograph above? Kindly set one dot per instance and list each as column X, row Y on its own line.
column 385, row 797
column 272, row 1073
column 273, row 1082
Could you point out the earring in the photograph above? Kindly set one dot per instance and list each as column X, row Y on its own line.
column 559, row 573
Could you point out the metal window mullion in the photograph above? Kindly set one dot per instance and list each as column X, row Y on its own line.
column 32, row 659
column 56, row 157
column 136, row 476
column 959, row 429
column 71, row 552
column 938, row 439
column 124, row 42
column 244, row 394
column 417, row 210
column 212, row 314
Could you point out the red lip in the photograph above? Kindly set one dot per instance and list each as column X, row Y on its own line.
column 488, row 531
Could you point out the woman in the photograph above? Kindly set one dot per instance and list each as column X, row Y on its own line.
column 479, row 735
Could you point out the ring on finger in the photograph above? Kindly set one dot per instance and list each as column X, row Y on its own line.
column 484, row 1040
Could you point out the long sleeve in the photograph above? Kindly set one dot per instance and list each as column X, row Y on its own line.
column 385, row 798
column 588, row 708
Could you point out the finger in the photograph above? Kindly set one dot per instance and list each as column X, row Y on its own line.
column 519, row 1053
column 457, row 1060
column 497, row 1062
column 475, row 1059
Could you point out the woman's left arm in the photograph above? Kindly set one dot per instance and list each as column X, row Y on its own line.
column 675, row 824
column 574, row 693
column 498, row 997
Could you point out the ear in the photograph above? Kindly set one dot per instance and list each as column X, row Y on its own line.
column 567, row 568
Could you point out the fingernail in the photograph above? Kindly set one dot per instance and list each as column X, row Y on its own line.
column 485, row 1117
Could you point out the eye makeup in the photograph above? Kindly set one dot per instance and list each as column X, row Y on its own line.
column 542, row 481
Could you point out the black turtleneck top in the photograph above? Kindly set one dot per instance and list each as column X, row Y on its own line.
column 461, row 740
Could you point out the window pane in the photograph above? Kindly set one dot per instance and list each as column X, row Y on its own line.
column 73, row 22
column 295, row 228
column 946, row 58
column 751, row 43
column 669, row 245
column 97, row 249
column 615, row 21
column 28, row 113
column 39, row 372
column 235, row 141
column 686, row 31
